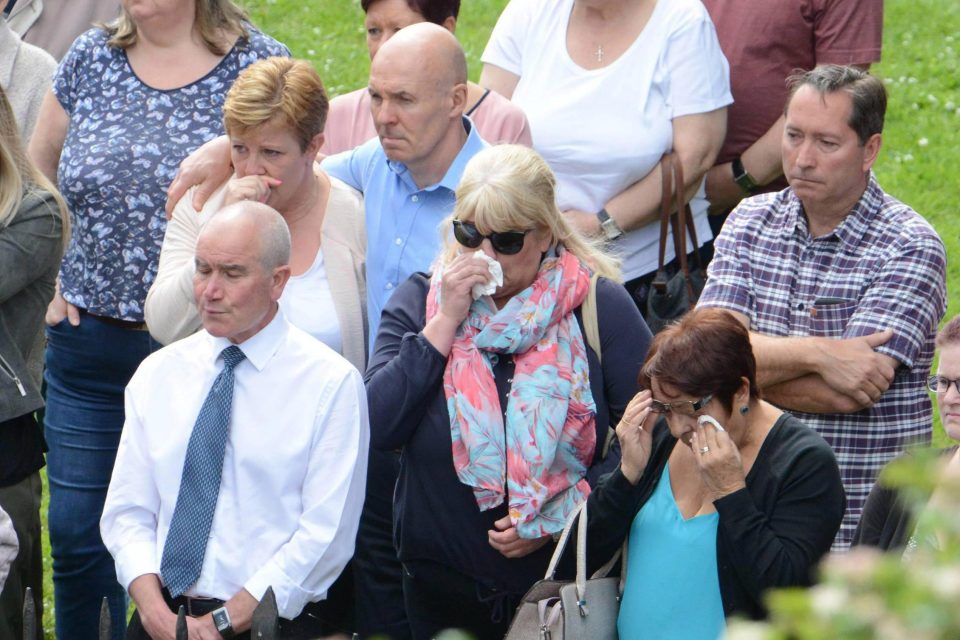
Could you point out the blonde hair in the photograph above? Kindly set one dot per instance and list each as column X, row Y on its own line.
column 211, row 19
column 510, row 187
column 18, row 175
column 282, row 88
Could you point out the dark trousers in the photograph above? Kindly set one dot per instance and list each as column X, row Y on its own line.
column 307, row 626
column 439, row 598
column 377, row 573
column 21, row 501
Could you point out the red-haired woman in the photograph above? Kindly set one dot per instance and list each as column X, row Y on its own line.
column 734, row 510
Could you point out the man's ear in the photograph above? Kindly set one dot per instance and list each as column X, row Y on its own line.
column 458, row 97
column 278, row 281
column 871, row 149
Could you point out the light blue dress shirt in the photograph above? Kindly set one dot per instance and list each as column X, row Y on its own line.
column 403, row 234
column 672, row 590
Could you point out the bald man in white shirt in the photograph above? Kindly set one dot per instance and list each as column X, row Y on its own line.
column 294, row 461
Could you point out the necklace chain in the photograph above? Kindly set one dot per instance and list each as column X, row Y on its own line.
column 599, row 53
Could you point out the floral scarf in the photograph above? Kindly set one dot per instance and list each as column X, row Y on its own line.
column 543, row 451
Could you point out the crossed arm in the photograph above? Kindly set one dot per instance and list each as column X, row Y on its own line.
column 822, row 375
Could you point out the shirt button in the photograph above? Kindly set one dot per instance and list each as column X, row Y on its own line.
column 389, row 285
column 398, row 241
column 415, row 198
column 800, row 307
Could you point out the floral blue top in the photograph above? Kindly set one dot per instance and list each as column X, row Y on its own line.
column 124, row 143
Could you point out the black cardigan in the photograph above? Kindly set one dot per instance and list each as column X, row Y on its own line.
column 770, row 534
column 888, row 519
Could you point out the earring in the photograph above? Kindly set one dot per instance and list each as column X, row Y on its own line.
column 744, row 409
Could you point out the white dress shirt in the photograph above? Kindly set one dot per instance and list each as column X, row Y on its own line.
column 293, row 471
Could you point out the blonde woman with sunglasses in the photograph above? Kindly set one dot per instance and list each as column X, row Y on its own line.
column 499, row 403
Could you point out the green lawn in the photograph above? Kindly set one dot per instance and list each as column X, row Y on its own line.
column 920, row 64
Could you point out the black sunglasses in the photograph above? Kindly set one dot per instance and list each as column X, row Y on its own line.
column 506, row 242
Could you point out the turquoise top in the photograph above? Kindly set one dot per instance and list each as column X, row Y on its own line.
column 672, row 590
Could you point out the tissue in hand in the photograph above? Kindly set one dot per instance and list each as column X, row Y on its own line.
column 496, row 277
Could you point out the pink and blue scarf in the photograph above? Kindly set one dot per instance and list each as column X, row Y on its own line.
column 538, row 455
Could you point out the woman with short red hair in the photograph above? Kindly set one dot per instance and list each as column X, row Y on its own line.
column 751, row 500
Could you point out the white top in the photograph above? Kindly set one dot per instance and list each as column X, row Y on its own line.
column 9, row 546
column 602, row 130
column 304, row 295
column 293, row 472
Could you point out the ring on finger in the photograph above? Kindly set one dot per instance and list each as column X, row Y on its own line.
column 704, row 449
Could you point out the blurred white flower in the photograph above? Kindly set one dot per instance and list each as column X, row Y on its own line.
column 945, row 582
column 828, row 600
column 923, row 142
column 746, row 630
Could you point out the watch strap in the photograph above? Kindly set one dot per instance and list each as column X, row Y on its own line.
column 221, row 620
column 741, row 177
column 611, row 230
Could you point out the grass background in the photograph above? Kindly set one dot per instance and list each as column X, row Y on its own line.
column 921, row 56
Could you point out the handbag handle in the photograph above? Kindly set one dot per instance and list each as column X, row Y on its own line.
column 680, row 222
column 581, row 581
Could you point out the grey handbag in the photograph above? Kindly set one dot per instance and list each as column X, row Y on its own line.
column 579, row 610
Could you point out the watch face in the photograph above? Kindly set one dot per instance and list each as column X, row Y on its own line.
column 221, row 618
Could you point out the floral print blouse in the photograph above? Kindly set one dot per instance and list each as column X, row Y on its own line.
column 124, row 143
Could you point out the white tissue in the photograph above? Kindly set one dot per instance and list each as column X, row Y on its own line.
column 496, row 277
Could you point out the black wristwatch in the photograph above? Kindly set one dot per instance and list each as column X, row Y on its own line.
column 611, row 230
column 221, row 619
column 742, row 178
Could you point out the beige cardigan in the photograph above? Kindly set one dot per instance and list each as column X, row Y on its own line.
column 170, row 310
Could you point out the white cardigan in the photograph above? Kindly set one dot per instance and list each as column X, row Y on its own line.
column 170, row 309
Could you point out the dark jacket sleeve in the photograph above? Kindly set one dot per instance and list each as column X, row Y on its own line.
column 624, row 340
column 405, row 369
column 801, row 494
column 881, row 509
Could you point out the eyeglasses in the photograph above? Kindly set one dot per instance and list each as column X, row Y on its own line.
column 683, row 407
column 940, row 384
column 507, row 243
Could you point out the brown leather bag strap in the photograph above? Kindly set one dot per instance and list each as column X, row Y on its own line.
column 666, row 179
column 686, row 221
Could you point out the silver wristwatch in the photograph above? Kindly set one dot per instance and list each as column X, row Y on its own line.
column 611, row 230
column 221, row 619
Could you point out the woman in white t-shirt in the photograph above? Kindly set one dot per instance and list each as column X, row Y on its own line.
column 274, row 116
column 609, row 87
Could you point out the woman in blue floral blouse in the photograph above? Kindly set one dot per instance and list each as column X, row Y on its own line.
column 128, row 103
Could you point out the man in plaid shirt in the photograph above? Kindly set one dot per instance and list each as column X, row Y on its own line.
column 841, row 285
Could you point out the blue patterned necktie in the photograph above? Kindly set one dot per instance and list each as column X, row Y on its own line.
column 200, row 483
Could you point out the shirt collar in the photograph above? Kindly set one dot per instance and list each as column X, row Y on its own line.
column 260, row 347
column 473, row 144
column 856, row 223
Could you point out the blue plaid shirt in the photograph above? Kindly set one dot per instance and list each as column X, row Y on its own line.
column 882, row 268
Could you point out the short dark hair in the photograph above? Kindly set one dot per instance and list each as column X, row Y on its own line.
column 706, row 351
column 435, row 11
column 950, row 334
column 867, row 94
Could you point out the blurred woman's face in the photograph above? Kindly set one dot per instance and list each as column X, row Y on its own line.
column 948, row 402
column 273, row 150
column 384, row 18
column 144, row 9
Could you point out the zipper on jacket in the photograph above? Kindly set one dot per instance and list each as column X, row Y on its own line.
column 7, row 369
